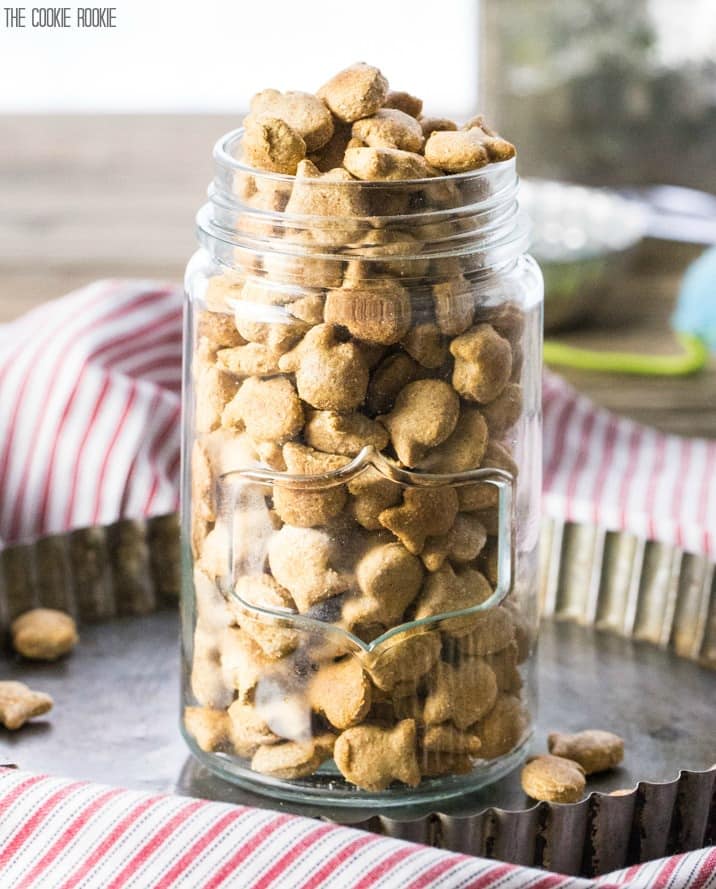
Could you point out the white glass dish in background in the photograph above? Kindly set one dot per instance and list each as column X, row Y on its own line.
column 573, row 222
column 579, row 236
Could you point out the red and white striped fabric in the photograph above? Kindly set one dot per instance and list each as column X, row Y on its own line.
column 90, row 409
column 60, row 834
column 89, row 430
column 620, row 475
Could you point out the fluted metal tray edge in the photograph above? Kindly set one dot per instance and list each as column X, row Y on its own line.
column 602, row 832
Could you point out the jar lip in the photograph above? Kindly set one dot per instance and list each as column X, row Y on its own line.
column 503, row 248
column 223, row 156
column 473, row 211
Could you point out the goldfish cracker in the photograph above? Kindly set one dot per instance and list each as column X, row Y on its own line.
column 454, row 305
column 386, row 164
column 593, row 749
column 269, row 410
column 487, row 632
column 465, row 448
column 376, row 311
column 211, row 729
column 389, row 378
column 404, row 102
column 355, row 92
column 215, row 389
column 306, row 509
column 269, row 143
column 446, row 738
column 498, row 149
column 344, row 433
column 430, row 125
column 462, row 694
column 462, row 543
column 371, row 494
column 445, row 590
column 483, row 363
column 424, row 415
column 262, row 591
column 388, row 577
column 389, row 128
column 502, row 728
column 423, row 513
column 426, row 344
column 333, row 195
column 305, row 113
column 373, row 757
column 292, row 759
column 553, row 779
column 249, row 360
column 330, row 374
column 502, row 413
column 303, row 560
column 341, row 691
column 249, row 730
column 402, row 661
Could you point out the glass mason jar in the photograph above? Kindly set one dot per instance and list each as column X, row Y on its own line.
column 362, row 447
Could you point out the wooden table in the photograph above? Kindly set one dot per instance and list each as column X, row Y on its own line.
column 86, row 197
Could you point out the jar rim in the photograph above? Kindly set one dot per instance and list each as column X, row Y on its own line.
column 224, row 157
column 481, row 213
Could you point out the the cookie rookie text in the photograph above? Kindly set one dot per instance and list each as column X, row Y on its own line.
column 60, row 17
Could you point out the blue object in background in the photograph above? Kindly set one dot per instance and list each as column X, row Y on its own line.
column 696, row 307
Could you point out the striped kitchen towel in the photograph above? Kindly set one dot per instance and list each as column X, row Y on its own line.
column 61, row 834
column 89, row 430
column 90, row 390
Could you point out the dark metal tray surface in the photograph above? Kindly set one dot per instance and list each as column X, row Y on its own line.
column 116, row 721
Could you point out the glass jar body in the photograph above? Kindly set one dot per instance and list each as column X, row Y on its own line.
column 362, row 449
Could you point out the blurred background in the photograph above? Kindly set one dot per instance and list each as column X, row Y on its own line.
column 106, row 146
